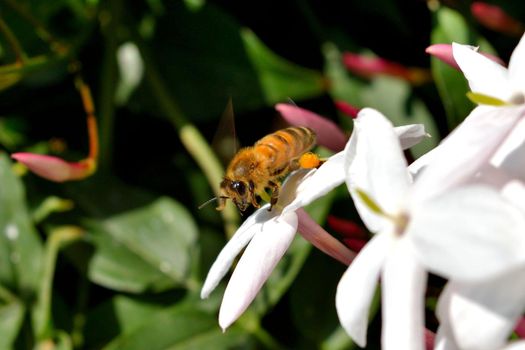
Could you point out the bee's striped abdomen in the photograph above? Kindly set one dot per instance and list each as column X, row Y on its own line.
column 285, row 145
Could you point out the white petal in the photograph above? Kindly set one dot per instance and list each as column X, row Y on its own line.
column 257, row 262
column 468, row 233
column 517, row 67
column 466, row 150
column 319, row 182
column 484, row 75
column 240, row 239
column 514, row 192
column 515, row 345
column 357, row 287
column 403, row 293
column 377, row 165
column 444, row 339
column 483, row 315
column 511, row 155
column 410, row 135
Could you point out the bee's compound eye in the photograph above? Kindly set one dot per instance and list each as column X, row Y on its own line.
column 239, row 187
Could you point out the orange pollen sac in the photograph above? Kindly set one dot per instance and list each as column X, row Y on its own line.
column 309, row 160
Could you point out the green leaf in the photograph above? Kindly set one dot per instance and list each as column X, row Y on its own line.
column 181, row 327
column 342, row 87
column 313, row 310
column 451, row 84
column 11, row 317
column 20, row 246
column 120, row 315
column 279, row 78
column 145, row 248
column 205, row 57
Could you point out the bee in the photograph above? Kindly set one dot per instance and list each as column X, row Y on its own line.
column 254, row 169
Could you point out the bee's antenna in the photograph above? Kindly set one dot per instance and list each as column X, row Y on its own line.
column 210, row 200
column 207, row 202
column 292, row 102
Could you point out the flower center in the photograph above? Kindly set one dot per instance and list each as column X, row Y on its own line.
column 518, row 98
column 401, row 223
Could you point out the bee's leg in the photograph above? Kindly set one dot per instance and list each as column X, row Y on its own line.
column 222, row 203
column 253, row 198
column 275, row 194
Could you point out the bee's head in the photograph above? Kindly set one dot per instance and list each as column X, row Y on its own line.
column 237, row 191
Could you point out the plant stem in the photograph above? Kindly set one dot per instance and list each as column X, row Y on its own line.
column 13, row 42
column 6, row 295
column 42, row 311
column 108, row 79
column 190, row 136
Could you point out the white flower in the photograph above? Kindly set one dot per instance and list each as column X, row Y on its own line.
column 480, row 315
column 490, row 78
column 425, row 224
column 269, row 234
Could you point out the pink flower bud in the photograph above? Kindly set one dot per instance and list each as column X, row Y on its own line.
column 328, row 133
column 347, row 108
column 519, row 329
column 347, row 228
column 54, row 168
column 443, row 52
column 493, row 17
column 371, row 66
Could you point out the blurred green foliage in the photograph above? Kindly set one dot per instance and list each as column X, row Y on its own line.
column 116, row 261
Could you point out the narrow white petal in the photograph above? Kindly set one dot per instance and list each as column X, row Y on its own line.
column 511, row 155
column 257, row 262
column 466, row 150
column 403, row 293
column 482, row 315
column 243, row 235
column 517, row 68
column 445, row 339
column 514, row 192
column 410, row 135
column 321, row 181
column 357, row 287
column 380, row 158
column 375, row 164
column 468, row 234
column 484, row 75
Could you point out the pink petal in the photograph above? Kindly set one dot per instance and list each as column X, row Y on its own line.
column 443, row 52
column 347, row 108
column 430, row 338
column 328, row 133
column 371, row 66
column 520, row 328
column 53, row 168
column 493, row 17
column 322, row 240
